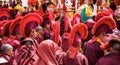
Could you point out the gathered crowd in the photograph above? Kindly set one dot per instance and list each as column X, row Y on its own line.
column 60, row 32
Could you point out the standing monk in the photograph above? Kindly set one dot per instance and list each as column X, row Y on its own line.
column 73, row 56
column 102, row 26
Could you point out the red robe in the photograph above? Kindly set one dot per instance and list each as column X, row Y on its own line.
column 25, row 55
column 79, row 59
column 15, row 43
column 112, row 58
column 39, row 38
column 93, row 52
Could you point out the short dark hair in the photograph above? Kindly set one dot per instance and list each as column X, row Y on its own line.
column 115, row 44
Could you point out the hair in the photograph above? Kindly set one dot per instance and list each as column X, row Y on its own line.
column 38, row 28
column 6, row 47
column 115, row 44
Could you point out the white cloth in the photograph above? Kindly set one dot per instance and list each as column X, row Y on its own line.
column 95, row 9
column 3, row 60
column 24, row 3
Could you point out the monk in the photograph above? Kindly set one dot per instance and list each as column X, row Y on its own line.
column 6, row 52
column 46, row 53
column 93, row 46
column 39, row 34
column 113, row 57
column 73, row 56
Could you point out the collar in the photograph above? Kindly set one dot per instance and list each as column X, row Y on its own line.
column 100, row 41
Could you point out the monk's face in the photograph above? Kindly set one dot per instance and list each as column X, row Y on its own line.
column 33, row 34
column 9, row 52
column 51, row 7
column 108, row 37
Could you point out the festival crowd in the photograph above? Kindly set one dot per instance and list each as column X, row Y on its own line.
column 60, row 32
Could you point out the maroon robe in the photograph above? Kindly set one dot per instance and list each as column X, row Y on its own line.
column 65, row 42
column 25, row 54
column 15, row 43
column 39, row 38
column 79, row 59
column 93, row 52
column 5, row 57
column 112, row 58
column 118, row 25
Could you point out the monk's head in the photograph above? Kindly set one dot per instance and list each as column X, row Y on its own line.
column 39, row 29
column 115, row 45
column 7, row 49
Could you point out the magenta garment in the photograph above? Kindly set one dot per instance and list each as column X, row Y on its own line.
column 39, row 38
column 25, row 54
column 46, row 53
column 93, row 52
column 15, row 43
column 65, row 42
column 112, row 58
column 5, row 56
column 79, row 59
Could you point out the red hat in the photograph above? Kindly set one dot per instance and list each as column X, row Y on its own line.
column 57, row 32
column 117, row 2
column 76, row 19
column 4, row 9
column 32, row 2
column 100, row 15
column 79, row 31
column 4, row 15
column 2, row 24
column 67, row 23
column 29, row 22
column 106, row 24
column 14, row 26
column 5, row 30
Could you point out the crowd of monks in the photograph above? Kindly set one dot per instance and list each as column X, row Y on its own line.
column 60, row 32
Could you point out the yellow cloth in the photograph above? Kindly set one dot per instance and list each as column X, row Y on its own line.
column 88, row 11
column 98, row 40
column 19, row 7
column 108, row 2
column 52, row 0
